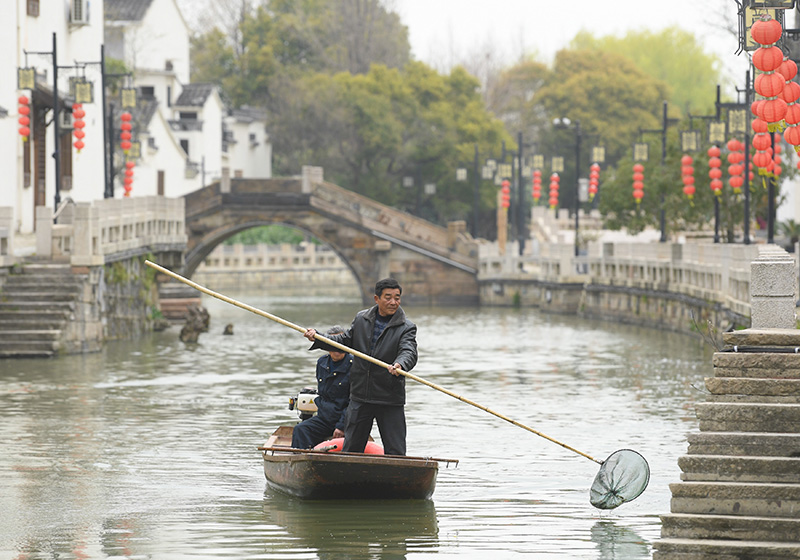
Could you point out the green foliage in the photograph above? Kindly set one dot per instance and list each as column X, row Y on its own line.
column 267, row 235
column 115, row 70
column 672, row 56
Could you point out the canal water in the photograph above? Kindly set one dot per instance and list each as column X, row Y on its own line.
column 148, row 449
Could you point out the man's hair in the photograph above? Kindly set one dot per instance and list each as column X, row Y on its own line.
column 387, row 283
column 335, row 329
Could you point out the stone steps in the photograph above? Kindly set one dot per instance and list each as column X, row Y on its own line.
column 43, row 347
column 754, row 444
column 725, row 527
column 736, row 387
column 691, row 549
column 29, row 335
column 749, row 417
column 729, row 468
column 64, row 295
column 736, row 498
column 35, row 305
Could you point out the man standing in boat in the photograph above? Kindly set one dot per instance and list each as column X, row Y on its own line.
column 333, row 387
column 378, row 394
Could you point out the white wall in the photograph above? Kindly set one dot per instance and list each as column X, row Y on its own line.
column 20, row 32
column 161, row 37
column 252, row 161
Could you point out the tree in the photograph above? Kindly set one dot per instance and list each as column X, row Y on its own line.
column 672, row 56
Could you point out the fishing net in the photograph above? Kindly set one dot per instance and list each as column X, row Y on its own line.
column 622, row 477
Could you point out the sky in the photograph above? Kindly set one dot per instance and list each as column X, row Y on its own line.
column 441, row 31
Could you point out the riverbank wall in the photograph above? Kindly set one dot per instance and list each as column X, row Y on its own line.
column 674, row 286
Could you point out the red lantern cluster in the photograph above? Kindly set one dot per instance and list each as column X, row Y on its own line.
column 505, row 193
column 24, row 118
column 537, row 186
column 77, row 125
column 128, row 181
column 687, row 176
column 554, row 184
column 791, row 95
column 735, row 165
column 776, row 168
column 762, row 142
column 638, row 182
column 125, row 136
column 594, row 180
column 770, row 82
column 715, row 169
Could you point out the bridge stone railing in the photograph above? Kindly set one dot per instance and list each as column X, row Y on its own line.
column 92, row 234
column 712, row 272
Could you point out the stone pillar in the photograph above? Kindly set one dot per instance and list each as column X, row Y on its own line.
column 454, row 229
column 6, row 235
column 773, row 289
column 44, row 232
column 311, row 175
column 225, row 181
column 739, row 495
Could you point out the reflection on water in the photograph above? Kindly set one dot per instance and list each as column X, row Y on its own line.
column 147, row 449
column 352, row 529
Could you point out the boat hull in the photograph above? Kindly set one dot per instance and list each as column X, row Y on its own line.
column 315, row 475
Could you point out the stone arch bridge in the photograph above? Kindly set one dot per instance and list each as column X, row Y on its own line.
column 434, row 265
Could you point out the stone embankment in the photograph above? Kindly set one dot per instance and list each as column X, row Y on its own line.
column 739, row 495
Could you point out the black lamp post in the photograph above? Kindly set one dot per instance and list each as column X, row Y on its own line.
column 665, row 122
column 563, row 122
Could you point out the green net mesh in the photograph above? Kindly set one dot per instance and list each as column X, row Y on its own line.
column 622, row 478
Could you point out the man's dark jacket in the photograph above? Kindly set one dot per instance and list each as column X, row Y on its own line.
column 370, row 383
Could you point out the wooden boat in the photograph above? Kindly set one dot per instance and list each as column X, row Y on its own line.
column 313, row 474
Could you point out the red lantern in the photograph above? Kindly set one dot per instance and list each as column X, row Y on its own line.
column 554, row 183
column 766, row 31
column 759, row 125
column 638, row 182
column 762, row 141
column 714, row 152
column 537, row 185
column 788, row 69
column 761, row 159
column 791, row 91
column 505, row 191
column 24, row 120
column 769, row 85
column 716, row 186
column 768, row 59
column 792, row 135
column 773, row 110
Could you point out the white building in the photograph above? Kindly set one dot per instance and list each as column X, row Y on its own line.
column 29, row 180
column 187, row 138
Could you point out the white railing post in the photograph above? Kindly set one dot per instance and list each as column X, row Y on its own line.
column 44, row 231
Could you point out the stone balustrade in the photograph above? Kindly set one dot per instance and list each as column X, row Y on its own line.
column 706, row 271
column 92, row 234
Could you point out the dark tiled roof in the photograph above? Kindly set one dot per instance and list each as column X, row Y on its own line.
column 3, row 112
column 194, row 95
column 125, row 10
column 248, row 114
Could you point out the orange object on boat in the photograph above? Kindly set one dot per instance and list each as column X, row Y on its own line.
column 336, row 444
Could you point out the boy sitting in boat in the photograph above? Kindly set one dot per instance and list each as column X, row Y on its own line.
column 333, row 386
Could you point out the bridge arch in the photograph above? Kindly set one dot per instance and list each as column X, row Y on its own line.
column 196, row 256
column 433, row 264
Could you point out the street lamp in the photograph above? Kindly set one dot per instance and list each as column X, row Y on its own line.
column 564, row 122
